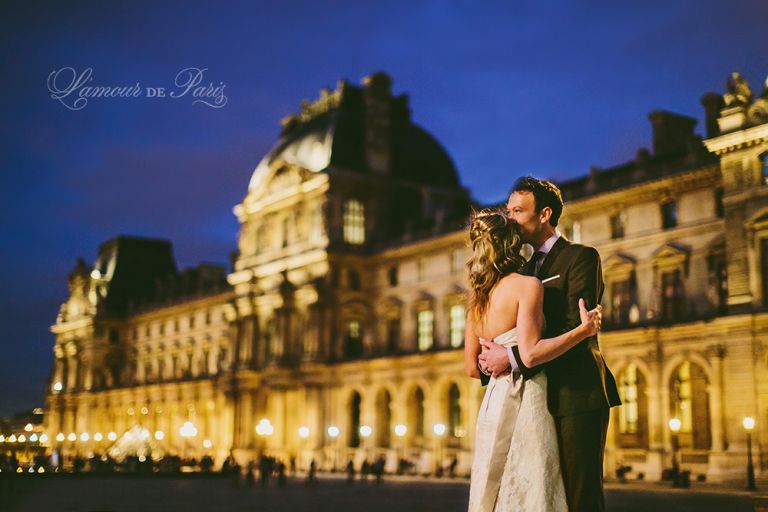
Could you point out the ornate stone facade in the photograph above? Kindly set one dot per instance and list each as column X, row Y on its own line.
column 344, row 306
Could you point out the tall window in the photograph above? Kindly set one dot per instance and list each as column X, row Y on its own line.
column 457, row 262
column 672, row 295
column 426, row 327
column 669, row 214
column 383, row 418
column 458, row 322
column 354, row 341
column 690, row 404
column 764, row 167
column 287, row 221
column 393, row 335
column 353, row 280
column 392, row 276
column 354, row 222
column 353, row 432
column 454, row 411
column 617, row 224
column 316, row 223
column 628, row 412
column 573, row 232
column 621, row 301
column 416, row 412
column 719, row 208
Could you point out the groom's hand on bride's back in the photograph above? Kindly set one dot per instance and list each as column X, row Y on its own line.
column 494, row 359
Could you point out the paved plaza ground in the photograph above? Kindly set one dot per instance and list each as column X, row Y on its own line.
column 57, row 493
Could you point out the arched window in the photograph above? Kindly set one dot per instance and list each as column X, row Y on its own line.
column 633, row 414
column 689, row 402
column 416, row 412
column 454, row 411
column 383, row 418
column 354, row 222
column 353, row 432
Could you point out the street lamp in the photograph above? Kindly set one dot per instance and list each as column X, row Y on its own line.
column 333, row 433
column 28, row 427
column 674, row 426
column 749, row 423
column 365, row 432
column 439, row 430
column 400, row 431
column 187, row 431
column 303, row 436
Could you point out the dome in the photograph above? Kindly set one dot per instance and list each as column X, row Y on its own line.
column 340, row 129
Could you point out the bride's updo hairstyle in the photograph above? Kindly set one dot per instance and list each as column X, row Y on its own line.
column 496, row 244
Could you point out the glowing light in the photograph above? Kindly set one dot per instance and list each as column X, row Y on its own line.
column 144, row 411
column 439, row 429
column 159, row 435
column 22, row 438
column 41, row 469
column 12, row 438
column 72, row 436
column 33, row 438
column 130, row 411
column 60, row 437
column 31, row 469
column 111, row 436
column 19, row 470
column 207, row 444
column 264, row 428
column 84, row 437
column 365, row 431
column 44, row 438
column 303, row 432
column 58, row 386
column 142, row 458
column 95, row 274
column 2, row 438
column 28, row 427
column 188, row 429
column 97, row 436
column 674, row 425
column 400, row 430
column 748, row 423
column 333, row 431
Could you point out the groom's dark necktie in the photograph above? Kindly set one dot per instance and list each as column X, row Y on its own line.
column 530, row 267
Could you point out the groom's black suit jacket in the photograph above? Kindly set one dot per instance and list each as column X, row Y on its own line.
column 577, row 381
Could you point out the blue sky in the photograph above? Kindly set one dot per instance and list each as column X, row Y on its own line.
column 549, row 88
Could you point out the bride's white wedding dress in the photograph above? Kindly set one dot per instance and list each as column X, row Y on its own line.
column 516, row 466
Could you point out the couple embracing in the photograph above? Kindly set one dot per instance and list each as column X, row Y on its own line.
column 532, row 338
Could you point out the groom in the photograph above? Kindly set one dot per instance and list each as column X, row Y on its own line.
column 580, row 388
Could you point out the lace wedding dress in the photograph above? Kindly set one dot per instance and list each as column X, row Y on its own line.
column 516, row 466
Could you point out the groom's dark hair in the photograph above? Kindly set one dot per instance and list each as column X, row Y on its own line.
column 545, row 194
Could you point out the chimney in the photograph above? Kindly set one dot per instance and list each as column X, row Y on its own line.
column 713, row 103
column 671, row 132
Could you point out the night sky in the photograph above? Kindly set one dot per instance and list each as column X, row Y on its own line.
column 549, row 88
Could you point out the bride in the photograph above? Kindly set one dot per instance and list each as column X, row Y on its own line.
column 516, row 465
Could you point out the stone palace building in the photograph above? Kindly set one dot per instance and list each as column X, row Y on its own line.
column 337, row 334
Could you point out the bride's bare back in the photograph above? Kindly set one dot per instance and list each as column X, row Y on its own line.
column 503, row 305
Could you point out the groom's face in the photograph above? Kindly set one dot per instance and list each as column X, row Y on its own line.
column 521, row 209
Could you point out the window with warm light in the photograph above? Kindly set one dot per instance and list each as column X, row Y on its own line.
column 354, row 222
column 426, row 329
column 628, row 412
column 458, row 322
column 682, row 407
